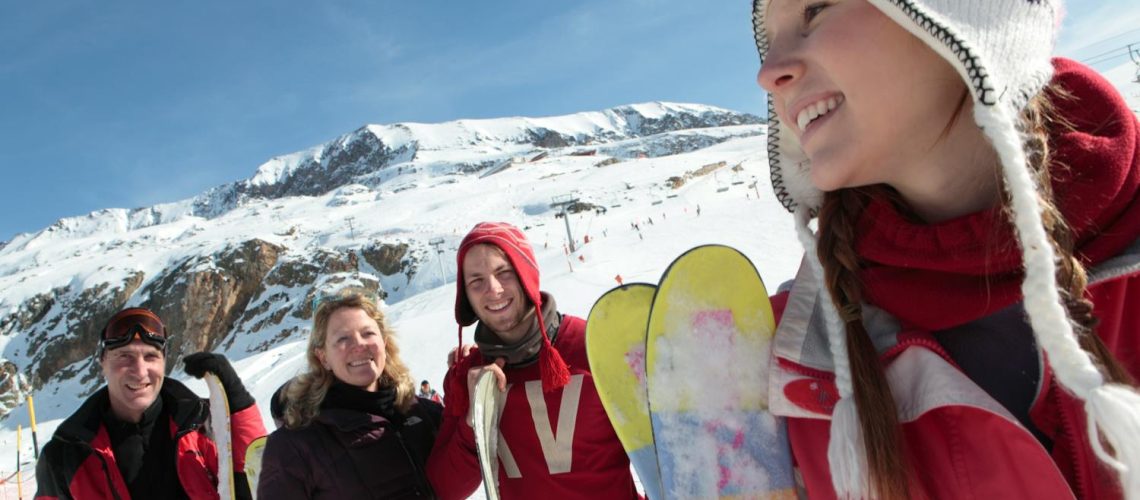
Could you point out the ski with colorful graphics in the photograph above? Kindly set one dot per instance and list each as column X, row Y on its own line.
column 220, row 427
column 707, row 356
column 615, row 344
column 485, row 413
column 253, row 463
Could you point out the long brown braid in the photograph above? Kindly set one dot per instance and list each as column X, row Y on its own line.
column 878, row 417
column 889, row 475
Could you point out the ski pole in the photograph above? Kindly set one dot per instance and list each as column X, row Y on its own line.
column 35, row 440
column 19, row 479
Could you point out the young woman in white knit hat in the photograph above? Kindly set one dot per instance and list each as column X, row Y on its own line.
column 967, row 320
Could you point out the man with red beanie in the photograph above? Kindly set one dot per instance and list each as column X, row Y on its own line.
column 555, row 440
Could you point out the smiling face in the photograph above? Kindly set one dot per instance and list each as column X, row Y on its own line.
column 134, row 376
column 353, row 348
column 495, row 293
column 869, row 102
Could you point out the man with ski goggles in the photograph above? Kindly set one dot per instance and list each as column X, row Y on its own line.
column 143, row 435
column 131, row 324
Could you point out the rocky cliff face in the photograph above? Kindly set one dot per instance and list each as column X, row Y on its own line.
column 13, row 387
column 201, row 298
column 208, row 302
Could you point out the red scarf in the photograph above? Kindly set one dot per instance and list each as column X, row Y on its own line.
column 940, row 275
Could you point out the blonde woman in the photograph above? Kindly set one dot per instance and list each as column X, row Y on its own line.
column 354, row 427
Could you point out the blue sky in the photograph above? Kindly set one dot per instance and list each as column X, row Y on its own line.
column 131, row 103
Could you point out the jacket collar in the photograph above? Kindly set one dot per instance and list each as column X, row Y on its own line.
column 186, row 409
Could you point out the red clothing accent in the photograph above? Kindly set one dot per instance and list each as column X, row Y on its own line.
column 962, row 452
column 599, row 467
column 952, row 452
column 79, row 462
column 932, row 277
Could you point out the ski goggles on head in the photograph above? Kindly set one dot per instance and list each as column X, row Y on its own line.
column 131, row 324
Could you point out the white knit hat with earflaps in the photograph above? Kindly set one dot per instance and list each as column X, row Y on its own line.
column 1001, row 49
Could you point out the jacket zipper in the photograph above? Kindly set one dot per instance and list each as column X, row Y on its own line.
column 884, row 357
column 102, row 461
column 1068, row 429
column 107, row 473
column 420, row 476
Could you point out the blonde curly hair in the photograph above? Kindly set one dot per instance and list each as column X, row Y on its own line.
column 304, row 394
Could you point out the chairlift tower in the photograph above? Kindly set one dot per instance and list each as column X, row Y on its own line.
column 1134, row 54
column 561, row 202
column 351, row 229
column 437, row 244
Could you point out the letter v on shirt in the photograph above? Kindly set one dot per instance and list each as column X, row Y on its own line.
column 557, row 446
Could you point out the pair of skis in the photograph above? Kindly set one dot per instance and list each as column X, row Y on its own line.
column 485, row 413
column 681, row 369
column 223, row 439
column 220, row 428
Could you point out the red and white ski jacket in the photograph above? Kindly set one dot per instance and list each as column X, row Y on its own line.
column 554, row 445
column 946, row 318
column 79, row 463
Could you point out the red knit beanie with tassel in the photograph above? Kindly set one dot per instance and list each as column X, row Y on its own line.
column 513, row 243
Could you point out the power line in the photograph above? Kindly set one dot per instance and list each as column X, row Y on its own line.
column 1087, row 45
column 1114, row 52
column 1119, row 52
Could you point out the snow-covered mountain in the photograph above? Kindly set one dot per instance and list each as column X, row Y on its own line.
column 235, row 269
column 379, row 155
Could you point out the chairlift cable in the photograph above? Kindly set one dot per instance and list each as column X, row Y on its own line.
column 1118, row 35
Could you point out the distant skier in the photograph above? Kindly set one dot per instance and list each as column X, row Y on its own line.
column 539, row 358
column 426, row 392
column 144, row 435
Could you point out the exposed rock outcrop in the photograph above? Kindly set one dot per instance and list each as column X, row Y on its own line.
column 201, row 299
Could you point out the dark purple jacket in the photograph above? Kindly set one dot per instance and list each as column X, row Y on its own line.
column 351, row 454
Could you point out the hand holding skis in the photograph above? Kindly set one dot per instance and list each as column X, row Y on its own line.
column 198, row 364
column 473, row 376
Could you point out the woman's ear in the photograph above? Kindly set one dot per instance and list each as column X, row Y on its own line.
column 321, row 357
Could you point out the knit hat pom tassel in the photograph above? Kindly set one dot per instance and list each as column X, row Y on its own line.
column 845, row 452
column 455, row 387
column 1112, row 409
column 555, row 373
column 552, row 368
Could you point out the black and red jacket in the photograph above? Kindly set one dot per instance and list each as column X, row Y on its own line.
column 78, row 462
